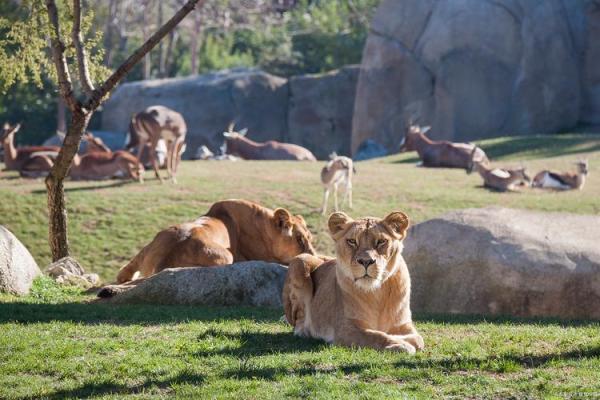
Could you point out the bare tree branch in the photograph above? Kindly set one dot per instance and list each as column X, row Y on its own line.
column 95, row 100
column 65, row 85
column 82, row 62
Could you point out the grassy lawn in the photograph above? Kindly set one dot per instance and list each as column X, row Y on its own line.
column 53, row 344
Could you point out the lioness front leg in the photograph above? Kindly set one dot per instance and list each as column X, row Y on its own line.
column 408, row 333
column 356, row 334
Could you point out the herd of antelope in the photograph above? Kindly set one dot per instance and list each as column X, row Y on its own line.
column 157, row 136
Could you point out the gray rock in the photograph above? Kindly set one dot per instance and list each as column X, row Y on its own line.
column 320, row 111
column 250, row 98
column 478, row 68
column 251, row 283
column 499, row 261
column 64, row 266
column 18, row 269
column 68, row 271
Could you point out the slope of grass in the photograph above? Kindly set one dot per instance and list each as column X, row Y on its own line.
column 54, row 344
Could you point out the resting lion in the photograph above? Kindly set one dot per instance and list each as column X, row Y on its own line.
column 362, row 298
column 232, row 230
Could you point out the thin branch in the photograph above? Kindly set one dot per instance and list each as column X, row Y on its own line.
column 82, row 62
column 95, row 100
column 65, row 85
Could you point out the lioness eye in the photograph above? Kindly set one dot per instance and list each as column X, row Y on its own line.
column 351, row 242
column 381, row 242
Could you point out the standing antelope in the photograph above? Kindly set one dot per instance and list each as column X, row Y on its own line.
column 237, row 144
column 439, row 153
column 564, row 180
column 153, row 124
column 18, row 159
column 337, row 172
column 496, row 178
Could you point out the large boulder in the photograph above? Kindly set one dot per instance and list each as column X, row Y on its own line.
column 499, row 261
column 478, row 68
column 320, row 111
column 17, row 267
column 251, row 283
column 209, row 103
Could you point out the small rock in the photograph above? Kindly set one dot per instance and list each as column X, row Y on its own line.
column 68, row 271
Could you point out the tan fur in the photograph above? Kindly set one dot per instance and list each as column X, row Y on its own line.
column 337, row 172
column 496, row 178
column 232, row 230
column 341, row 301
column 16, row 158
column 569, row 180
column 98, row 165
column 153, row 124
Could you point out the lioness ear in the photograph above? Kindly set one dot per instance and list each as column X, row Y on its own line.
column 397, row 224
column 283, row 220
column 337, row 221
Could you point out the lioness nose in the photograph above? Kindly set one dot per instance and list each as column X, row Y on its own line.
column 365, row 262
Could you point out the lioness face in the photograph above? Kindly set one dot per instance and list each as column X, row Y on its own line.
column 291, row 236
column 366, row 248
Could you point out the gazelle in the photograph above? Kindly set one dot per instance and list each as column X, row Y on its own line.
column 496, row 178
column 563, row 180
column 16, row 158
column 337, row 172
column 99, row 162
column 237, row 144
column 153, row 124
column 439, row 153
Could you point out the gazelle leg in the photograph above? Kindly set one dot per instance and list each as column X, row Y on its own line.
column 349, row 195
column 153, row 159
column 325, row 198
column 169, row 160
column 335, row 197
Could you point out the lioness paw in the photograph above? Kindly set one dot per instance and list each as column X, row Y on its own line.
column 402, row 347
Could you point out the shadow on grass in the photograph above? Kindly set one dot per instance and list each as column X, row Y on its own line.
column 497, row 363
column 96, row 389
column 259, row 343
column 493, row 364
column 545, row 146
column 30, row 313
column 93, row 187
column 124, row 314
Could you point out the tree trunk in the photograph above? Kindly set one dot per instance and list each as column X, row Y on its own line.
column 61, row 116
column 57, row 211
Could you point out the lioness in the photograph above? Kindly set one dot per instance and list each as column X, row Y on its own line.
column 232, row 230
column 362, row 298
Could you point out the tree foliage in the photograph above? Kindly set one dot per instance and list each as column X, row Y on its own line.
column 282, row 37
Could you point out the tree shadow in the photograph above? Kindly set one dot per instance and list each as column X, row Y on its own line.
column 247, row 370
column 544, row 146
column 114, row 184
column 94, row 389
column 497, row 363
column 470, row 319
column 259, row 343
column 129, row 314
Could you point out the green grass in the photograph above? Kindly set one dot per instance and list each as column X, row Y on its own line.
column 55, row 344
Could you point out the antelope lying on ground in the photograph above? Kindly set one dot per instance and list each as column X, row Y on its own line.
column 101, row 163
column 439, row 153
column 496, row 178
column 204, row 153
column 26, row 158
column 337, row 172
column 237, row 144
column 564, row 180
column 153, row 124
